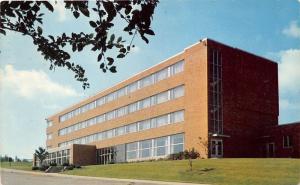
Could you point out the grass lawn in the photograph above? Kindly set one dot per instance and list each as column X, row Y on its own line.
column 17, row 165
column 212, row 171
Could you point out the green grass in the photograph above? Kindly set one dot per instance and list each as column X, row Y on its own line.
column 211, row 171
column 17, row 165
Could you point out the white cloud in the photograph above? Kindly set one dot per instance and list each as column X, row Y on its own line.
column 289, row 71
column 29, row 84
column 59, row 6
column 293, row 30
column 136, row 49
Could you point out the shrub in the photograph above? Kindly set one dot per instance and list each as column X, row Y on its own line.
column 65, row 164
column 34, row 168
column 53, row 164
column 43, row 167
column 70, row 167
column 76, row 166
column 176, row 156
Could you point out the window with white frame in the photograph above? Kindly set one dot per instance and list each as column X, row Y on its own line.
column 144, row 125
column 145, row 148
column 162, row 97
column 145, row 103
column 110, row 115
column 120, row 131
column 177, row 142
column 49, row 123
column 131, row 150
column 146, row 81
column 133, row 87
column 162, row 120
column 287, row 141
column 121, row 111
column 100, row 101
column 49, row 136
column 110, row 97
column 101, row 118
column 161, row 146
column 177, row 116
column 133, row 107
column 131, row 128
column 162, row 74
column 177, row 92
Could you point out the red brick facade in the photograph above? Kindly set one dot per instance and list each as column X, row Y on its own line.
column 250, row 106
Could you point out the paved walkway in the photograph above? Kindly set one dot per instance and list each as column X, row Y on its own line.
column 18, row 177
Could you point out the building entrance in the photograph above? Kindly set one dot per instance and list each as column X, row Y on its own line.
column 216, row 148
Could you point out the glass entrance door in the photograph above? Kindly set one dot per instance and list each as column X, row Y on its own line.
column 216, row 148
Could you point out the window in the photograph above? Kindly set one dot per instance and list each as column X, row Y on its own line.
column 287, row 141
column 133, row 87
column 110, row 97
column 145, row 103
column 146, row 81
column 144, row 125
column 177, row 143
column 49, row 123
column 121, row 111
column 145, row 148
column 110, row 115
column 109, row 134
column 177, row 116
column 120, row 131
column 161, row 146
column 177, row 92
column 162, row 74
column 177, row 68
column 100, row 101
column 122, row 92
column 162, row 120
column 131, row 150
column 131, row 128
column 162, row 97
column 133, row 107
column 101, row 118
column 49, row 136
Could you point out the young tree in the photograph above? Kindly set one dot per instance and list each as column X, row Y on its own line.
column 41, row 154
column 26, row 17
column 190, row 155
column 204, row 144
column 10, row 159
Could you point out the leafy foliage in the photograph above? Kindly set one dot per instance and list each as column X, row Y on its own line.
column 41, row 154
column 25, row 17
column 190, row 155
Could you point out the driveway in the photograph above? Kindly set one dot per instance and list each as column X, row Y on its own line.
column 17, row 177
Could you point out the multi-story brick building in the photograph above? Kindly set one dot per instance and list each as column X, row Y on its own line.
column 220, row 100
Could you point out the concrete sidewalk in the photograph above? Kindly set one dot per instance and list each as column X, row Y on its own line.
column 40, row 176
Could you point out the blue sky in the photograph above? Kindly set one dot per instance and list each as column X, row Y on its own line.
column 29, row 92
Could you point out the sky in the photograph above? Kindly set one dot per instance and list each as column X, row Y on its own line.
column 29, row 92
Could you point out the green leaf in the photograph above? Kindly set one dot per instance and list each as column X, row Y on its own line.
column 121, row 55
column 119, row 39
column 76, row 14
column 111, row 60
column 123, row 50
column 113, row 69
column 112, row 37
column 40, row 30
column 99, row 57
column 149, row 32
column 48, row 6
column 93, row 24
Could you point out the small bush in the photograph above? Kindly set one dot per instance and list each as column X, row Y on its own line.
column 70, row 167
column 176, row 156
column 43, row 167
column 65, row 164
column 75, row 165
column 53, row 164
column 34, row 168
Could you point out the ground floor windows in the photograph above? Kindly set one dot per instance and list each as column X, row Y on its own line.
column 58, row 157
column 155, row 148
column 106, row 155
